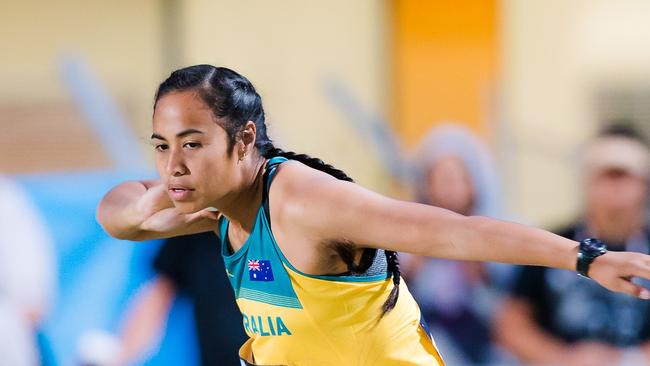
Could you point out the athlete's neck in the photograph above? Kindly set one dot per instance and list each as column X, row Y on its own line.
column 242, row 206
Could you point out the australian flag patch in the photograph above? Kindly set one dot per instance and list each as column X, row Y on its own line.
column 260, row 270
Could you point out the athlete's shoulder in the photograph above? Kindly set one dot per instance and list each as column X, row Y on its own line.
column 293, row 174
column 296, row 184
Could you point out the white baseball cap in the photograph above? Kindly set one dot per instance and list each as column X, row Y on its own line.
column 618, row 152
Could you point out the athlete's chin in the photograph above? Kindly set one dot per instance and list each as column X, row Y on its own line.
column 187, row 207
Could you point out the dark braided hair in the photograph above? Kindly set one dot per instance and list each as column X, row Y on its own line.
column 234, row 101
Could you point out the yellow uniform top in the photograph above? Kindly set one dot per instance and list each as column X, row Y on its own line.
column 296, row 319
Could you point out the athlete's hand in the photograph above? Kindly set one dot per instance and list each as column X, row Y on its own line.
column 615, row 271
column 142, row 210
column 160, row 215
column 171, row 221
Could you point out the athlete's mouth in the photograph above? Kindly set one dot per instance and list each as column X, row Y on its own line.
column 180, row 193
column 178, row 188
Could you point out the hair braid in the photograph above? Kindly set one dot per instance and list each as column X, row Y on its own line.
column 311, row 162
column 393, row 268
column 346, row 251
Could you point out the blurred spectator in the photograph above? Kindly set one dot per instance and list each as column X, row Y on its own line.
column 27, row 276
column 556, row 317
column 457, row 299
column 188, row 265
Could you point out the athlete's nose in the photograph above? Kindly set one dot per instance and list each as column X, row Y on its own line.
column 175, row 164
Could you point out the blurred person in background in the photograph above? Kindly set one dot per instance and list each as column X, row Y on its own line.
column 27, row 277
column 554, row 317
column 457, row 298
column 187, row 266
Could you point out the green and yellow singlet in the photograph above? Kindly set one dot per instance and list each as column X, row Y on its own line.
column 296, row 319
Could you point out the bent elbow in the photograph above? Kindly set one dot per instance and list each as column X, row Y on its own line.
column 106, row 220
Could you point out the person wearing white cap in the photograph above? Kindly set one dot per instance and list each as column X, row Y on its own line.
column 455, row 171
column 558, row 319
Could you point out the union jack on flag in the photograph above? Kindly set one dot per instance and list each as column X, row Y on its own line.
column 260, row 270
column 253, row 265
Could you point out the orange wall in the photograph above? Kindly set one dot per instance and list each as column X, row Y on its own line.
column 444, row 63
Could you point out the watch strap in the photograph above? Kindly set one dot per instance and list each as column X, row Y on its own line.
column 589, row 250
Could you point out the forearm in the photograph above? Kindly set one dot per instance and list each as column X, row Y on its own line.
column 484, row 239
column 120, row 213
column 371, row 220
column 150, row 229
column 143, row 211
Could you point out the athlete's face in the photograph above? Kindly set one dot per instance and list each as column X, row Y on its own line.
column 192, row 155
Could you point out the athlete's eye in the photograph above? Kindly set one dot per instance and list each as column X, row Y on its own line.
column 161, row 147
column 192, row 145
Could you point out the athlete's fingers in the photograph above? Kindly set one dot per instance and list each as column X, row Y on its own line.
column 209, row 213
column 626, row 286
column 202, row 214
column 632, row 265
column 641, row 268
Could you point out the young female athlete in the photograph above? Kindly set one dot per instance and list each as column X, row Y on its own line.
column 310, row 254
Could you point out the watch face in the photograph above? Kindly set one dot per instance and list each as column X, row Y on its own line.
column 592, row 246
column 589, row 250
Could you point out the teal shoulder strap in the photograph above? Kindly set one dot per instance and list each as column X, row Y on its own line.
column 271, row 167
column 222, row 228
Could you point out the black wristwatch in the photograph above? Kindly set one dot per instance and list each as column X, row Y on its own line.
column 590, row 249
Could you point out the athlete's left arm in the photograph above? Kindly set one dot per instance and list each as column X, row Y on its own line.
column 328, row 209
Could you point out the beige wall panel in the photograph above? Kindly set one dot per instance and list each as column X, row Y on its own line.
column 286, row 48
column 557, row 54
column 119, row 39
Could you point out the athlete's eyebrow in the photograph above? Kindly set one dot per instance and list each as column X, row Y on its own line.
column 183, row 133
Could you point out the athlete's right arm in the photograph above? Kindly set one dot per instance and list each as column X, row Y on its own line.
column 142, row 210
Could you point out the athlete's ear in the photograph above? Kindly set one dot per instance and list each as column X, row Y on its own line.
column 247, row 138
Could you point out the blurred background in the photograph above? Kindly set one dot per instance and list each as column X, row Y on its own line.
column 360, row 84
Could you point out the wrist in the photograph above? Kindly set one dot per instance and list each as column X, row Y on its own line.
column 153, row 200
column 570, row 263
column 588, row 250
